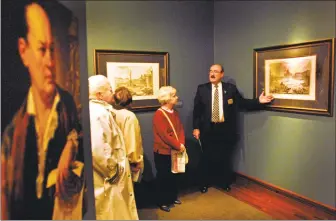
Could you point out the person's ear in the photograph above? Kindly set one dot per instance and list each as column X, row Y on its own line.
column 22, row 48
column 99, row 96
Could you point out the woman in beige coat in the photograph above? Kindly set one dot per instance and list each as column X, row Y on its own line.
column 130, row 126
column 113, row 188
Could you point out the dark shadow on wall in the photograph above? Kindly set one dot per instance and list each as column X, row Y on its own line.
column 145, row 189
column 191, row 177
column 239, row 151
column 148, row 174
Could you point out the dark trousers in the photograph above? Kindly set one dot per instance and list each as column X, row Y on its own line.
column 217, row 157
column 166, row 181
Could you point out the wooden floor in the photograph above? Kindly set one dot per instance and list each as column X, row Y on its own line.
column 276, row 205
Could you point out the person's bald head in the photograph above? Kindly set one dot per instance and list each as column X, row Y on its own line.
column 38, row 23
column 36, row 50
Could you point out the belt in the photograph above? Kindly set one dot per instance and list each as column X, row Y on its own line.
column 217, row 122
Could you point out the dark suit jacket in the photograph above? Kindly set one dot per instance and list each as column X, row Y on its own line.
column 232, row 102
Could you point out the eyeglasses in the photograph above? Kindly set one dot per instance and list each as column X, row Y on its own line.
column 214, row 71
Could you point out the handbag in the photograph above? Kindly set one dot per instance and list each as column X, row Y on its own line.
column 178, row 159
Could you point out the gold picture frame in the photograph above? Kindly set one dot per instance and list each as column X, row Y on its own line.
column 142, row 72
column 300, row 76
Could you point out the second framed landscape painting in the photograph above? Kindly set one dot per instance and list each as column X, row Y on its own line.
column 142, row 72
column 299, row 76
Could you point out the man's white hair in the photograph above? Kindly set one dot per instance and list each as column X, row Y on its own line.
column 97, row 83
column 165, row 94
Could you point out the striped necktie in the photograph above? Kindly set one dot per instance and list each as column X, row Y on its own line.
column 215, row 109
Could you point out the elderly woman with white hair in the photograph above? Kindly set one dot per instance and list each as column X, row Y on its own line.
column 164, row 141
column 113, row 187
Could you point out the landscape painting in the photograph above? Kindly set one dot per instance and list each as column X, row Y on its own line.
column 300, row 76
column 142, row 79
column 291, row 78
column 142, row 72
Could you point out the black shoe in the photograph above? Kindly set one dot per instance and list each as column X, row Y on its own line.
column 165, row 208
column 177, row 202
column 204, row 189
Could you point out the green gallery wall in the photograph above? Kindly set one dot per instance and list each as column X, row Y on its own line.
column 183, row 29
column 292, row 151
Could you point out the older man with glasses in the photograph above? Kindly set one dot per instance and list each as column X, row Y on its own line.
column 216, row 105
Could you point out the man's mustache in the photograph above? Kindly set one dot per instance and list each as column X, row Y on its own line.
column 212, row 76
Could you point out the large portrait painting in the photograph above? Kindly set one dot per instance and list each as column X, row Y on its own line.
column 42, row 160
column 143, row 73
column 299, row 76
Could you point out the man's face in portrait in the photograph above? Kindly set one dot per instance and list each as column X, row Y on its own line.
column 37, row 51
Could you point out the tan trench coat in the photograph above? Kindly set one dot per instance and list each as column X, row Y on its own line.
column 129, row 125
column 114, row 199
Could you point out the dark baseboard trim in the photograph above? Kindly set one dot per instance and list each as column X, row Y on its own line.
column 288, row 193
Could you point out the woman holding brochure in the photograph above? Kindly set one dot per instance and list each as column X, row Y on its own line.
column 169, row 136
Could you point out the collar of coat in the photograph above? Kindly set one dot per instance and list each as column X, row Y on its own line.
column 106, row 105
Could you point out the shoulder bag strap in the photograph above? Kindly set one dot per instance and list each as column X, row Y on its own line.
column 169, row 122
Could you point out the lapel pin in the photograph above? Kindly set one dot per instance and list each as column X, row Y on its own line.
column 224, row 92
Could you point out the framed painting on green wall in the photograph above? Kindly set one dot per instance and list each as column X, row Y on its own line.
column 142, row 72
column 299, row 76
